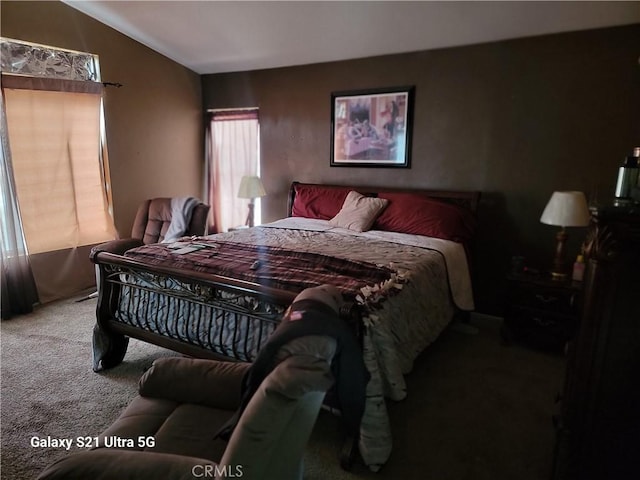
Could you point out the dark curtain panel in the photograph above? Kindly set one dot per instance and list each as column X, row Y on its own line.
column 18, row 288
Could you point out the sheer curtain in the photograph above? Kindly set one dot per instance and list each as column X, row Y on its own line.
column 18, row 288
column 232, row 152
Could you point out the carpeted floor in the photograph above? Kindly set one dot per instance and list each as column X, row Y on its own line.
column 476, row 409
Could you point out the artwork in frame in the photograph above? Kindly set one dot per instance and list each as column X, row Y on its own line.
column 371, row 128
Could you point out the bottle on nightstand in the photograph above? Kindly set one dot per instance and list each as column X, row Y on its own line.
column 578, row 269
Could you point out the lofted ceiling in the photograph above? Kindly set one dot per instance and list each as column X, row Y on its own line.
column 224, row 36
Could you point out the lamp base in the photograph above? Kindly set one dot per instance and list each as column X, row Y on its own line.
column 559, row 270
column 249, row 222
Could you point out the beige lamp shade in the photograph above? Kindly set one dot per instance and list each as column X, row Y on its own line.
column 566, row 209
column 251, row 187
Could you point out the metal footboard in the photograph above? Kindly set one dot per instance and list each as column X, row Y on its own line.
column 201, row 315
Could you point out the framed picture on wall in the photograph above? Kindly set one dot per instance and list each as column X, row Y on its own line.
column 371, row 128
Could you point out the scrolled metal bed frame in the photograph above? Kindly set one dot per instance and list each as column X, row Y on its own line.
column 222, row 300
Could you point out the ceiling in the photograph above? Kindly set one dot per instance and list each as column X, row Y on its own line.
column 226, row 36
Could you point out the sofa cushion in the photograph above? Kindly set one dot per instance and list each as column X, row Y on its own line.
column 152, row 220
column 177, row 428
column 142, row 417
column 198, row 381
column 190, row 430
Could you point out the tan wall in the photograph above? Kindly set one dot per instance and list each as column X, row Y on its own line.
column 154, row 122
column 515, row 119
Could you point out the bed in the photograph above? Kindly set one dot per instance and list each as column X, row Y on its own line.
column 400, row 258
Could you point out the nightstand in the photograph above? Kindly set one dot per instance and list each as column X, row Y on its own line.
column 541, row 312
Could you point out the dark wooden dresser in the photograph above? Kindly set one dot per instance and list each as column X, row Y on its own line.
column 598, row 434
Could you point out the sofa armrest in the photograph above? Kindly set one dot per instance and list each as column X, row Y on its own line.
column 115, row 464
column 117, row 246
column 187, row 380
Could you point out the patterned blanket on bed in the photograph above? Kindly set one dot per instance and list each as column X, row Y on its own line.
column 271, row 266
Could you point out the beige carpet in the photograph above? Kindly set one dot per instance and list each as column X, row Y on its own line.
column 476, row 409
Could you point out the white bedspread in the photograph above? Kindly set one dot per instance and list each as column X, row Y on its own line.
column 453, row 252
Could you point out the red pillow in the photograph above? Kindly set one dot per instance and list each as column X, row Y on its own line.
column 316, row 201
column 422, row 215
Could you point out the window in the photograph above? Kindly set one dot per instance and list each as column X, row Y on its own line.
column 234, row 152
column 54, row 138
column 55, row 181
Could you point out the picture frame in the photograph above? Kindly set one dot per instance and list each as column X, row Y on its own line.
column 372, row 128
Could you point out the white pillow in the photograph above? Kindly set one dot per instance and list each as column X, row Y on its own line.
column 359, row 212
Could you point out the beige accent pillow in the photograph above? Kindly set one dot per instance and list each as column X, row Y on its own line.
column 359, row 212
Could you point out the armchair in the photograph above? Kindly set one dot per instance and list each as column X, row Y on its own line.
column 169, row 429
column 151, row 223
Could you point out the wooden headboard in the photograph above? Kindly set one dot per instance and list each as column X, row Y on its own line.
column 465, row 199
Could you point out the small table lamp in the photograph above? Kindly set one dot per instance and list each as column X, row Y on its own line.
column 565, row 209
column 251, row 187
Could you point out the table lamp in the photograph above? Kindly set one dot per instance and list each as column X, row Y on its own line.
column 565, row 209
column 251, row 187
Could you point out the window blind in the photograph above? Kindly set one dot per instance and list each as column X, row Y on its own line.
column 54, row 138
